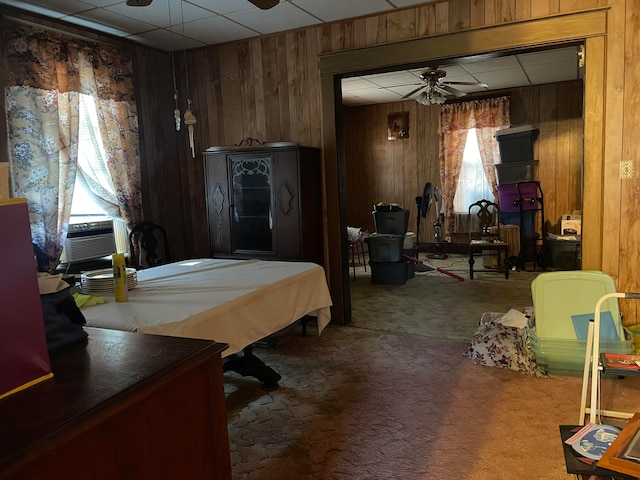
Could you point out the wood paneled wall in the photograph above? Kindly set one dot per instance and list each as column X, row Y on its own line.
column 395, row 171
column 269, row 88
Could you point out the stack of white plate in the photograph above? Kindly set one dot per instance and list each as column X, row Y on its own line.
column 100, row 282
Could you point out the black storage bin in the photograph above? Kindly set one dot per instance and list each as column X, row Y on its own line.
column 389, row 273
column 394, row 223
column 516, row 172
column 385, row 248
column 516, row 144
column 562, row 254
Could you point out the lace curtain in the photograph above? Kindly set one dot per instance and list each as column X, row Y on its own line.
column 46, row 73
column 486, row 116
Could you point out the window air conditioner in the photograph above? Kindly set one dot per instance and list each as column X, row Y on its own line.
column 86, row 241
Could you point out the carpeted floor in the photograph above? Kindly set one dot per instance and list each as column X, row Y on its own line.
column 391, row 396
column 363, row 405
column 434, row 304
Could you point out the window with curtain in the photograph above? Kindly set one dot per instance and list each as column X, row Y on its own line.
column 472, row 184
column 55, row 82
column 458, row 161
column 92, row 164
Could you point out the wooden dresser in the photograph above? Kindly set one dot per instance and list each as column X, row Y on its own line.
column 124, row 406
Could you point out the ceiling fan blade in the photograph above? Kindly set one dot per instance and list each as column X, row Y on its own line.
column 474, row 84
column 403, row 85
column 265, row 4
column 451, row 91
column 139, row 3
column 414, row 91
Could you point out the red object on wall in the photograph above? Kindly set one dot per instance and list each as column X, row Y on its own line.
column 24, row 358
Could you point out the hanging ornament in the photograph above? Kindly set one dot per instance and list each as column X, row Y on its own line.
column 190, row 121
column 176, row 112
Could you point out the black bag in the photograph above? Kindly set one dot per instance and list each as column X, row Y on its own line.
column 63, row 320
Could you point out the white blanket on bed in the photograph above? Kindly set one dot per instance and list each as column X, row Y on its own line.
column 232, row 301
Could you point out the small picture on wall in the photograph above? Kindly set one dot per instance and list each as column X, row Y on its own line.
column 398, row 126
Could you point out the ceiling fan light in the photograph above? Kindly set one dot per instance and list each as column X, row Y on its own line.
column 431, row 97
column 423, row 98
column 437, row 98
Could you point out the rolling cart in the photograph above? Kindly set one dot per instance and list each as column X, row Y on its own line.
column 530, row 204
column 526, row 200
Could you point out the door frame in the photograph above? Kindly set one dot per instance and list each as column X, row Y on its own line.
column 588, row 26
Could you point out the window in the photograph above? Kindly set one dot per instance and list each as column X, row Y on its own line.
column 472, row 183
column 91, row 158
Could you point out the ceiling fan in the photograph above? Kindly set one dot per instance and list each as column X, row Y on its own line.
column 436, row 89
column 263, row 4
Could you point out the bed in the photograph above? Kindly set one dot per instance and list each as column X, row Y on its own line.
column 236, row 302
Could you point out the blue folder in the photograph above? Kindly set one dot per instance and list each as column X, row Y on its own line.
column 608, row 330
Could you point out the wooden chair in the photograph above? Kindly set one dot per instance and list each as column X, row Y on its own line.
column 148, row 245
column 487, row 241
column 356, row 251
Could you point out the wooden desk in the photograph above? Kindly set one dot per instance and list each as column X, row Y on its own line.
column 124, row 406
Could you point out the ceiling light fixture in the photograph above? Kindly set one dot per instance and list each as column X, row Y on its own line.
column 431, row 96
column 265, row 4
column 139, row 3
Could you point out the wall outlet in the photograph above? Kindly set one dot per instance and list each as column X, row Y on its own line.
column 447, row 239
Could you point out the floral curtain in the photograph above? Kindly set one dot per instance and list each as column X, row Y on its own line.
column 487, row 116
column 46, row 71
column 43, row 129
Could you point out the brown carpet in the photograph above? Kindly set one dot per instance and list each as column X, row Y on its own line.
column 358, row 404
column 434, row 304
column 371, row 402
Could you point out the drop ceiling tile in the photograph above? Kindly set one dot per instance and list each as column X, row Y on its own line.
column 124, row 24
column 500, row 78
column 403, row 90
column 216, row 29
column 394, row 78
column 568, row 55
column 454, row 70
column 223, row 7
column 552, row 72
column 165, row 40
column 358, row 83
column 330, row 10
column 283, row 16
column 158, row 12
column 500, row 63
column 378, row 94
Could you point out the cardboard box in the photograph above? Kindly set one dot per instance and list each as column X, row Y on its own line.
column 571, row 225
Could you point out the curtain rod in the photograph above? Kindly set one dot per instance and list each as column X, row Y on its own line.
column 470, row 97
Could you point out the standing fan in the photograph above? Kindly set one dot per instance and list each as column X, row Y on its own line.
column 437, row 227
column 424, row 205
